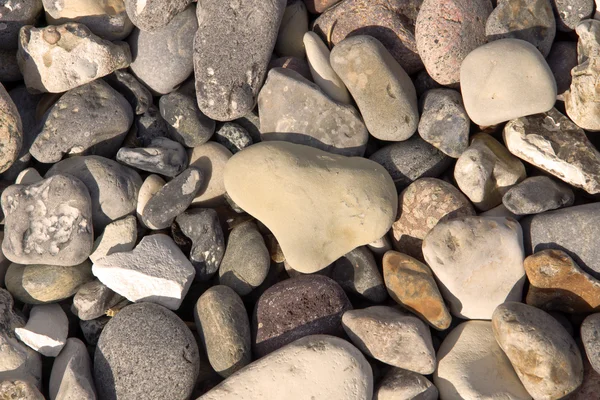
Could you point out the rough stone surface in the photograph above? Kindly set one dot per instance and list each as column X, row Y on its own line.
column 162, row 156
column 185, row 121
column 294, row 24
column 152, row 15
column 46, row 329
column 19, row 389
column 210, row 158
column 590, row 336
column 93, row 299
column 537, row 194
column 118, row 236
column 233, row 136
column 14, row 16
column 357, row 272
column 570, row 12
column 11, row 131
column 561, row 60
column 71, row 376
column 402, row 384
column 138, row 95
column 148, row 126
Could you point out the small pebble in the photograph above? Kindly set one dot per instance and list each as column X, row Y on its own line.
column 46, row 329
column 153, row 15
column 13, row 17
column 590, row 336
column 537, row 194
column 11, row 131
column 71, row 375
column 233, row 137
column 403, row 384
column 162, row 156
column 185, row 122
column 294, row 25
column 561, row 60
column 118, row 236
column 149, row 188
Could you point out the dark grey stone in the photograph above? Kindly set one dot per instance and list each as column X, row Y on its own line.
column 590, row 336
column 93, row 299
column 251, row 123
column 561, row 60
column 163, row 156
column 185, row 121
column 9, row 69
column 92, row 329
column 537, row 194
column 151, row 15
column 13, row 16
column 133, row 90
column 570, row 12
column 424, row 82
column 233, row 136
column 357, row 273
column 150, row 125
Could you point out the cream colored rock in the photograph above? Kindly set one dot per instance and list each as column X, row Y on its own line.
column 149, row 188
column 28, row 176
column 210, row 158
column 318, row 205
column 71, row 376
column 46, row 330
column 471, row 365
column 118, row 236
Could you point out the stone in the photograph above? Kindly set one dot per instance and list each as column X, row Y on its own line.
column 318, row 6
column 223, row 324
column 383, row 91
column 162, row 156
column 14, row 16
column 537, row 194
column 357, row 272
column 310, row 117
column 59, row 58
column 403, row 384
column 28, row 176
column 43, row 284
column 210, row 158
column 444, row 122
column 423, row 204
column 46, row 329
column 146, row 352
column 152, row 15
column 327, row 231
column 138, row 95
column 390, row 22
column 478, row 263
column 118, row 236
column 380, row 246
column 465, row 359
column 293, row 63
column 295, row 308
column 486, row 171
column 92, row 329
column 162, row 59
column 233, row 137
column 294, row 24
column 11, row 133
column 506, row 96
column 392, row 337
column 590, row 334
column 569, row 13
column 543, row 354
column 148, row 126
column 185, row 121
column 529, row 20
column 71, row 375
column 19, row 389
column 316, row 366
column 4, row 264
column 446, row 32
column 318, row 56
column 561, row 60
column 48, row 222
column 93, row 300
column 9, row 67
column 149, row 188
column 232, row 49
column 590, row 388
column 411, row 284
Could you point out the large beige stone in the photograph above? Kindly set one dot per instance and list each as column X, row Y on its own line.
column 318, row 205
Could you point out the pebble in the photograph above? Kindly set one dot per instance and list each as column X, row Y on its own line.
column 380, row 246
column 403, row 384
column 210, row 158
column 486, row 171
column 446, row 31
column 138, row 95
column 295, row 308
column 590, row 388
column 118, row 236
column 309, row 117
column 232, row 49
column 561, row 60
column 233, row 137
column 294, row 25
column 478, row 262
column 146, row 352
column 153, row 15
column 246, row 261
column 318, row 6
column 590, row 336
column 149, row 188
column 293, row 63
column 93, row 300
column 46, row 329
column 148, row 126
column 162, row 156
column 326, row 232
column 155, row 271
column 59, row 58
column 185, row 122
column 411, row 284
column 537, row 194
column 11, row 130
column 28, row 176
column 14, row 16
column 383, row 91
column 543, row 354
column 570, row 12
column 71, row 375
column 357, row 272
column 92, row 329
column 471, row 365
column 19, row 389
column 223, row 325
column 506, row 95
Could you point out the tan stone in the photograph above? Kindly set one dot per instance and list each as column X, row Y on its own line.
column 210, row 158
column 152, row 184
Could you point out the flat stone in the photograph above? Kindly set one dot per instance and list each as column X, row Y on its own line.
column 506, row 96
column 326, row 230
column 93, row 300
column 118, row 236
column 46, row 329
column 233, row 136
column 570, row 12
column 294, row 24
column 14, row 16
column 162, row 156
column 185, row 121
column 590, row 335
column 71, row 375
column 403, row 384
column 543, row 354
column 19, row 389
column 11, row 131
column 537, row 194
column 561, row 60
column 210, row 158
column 138, row 95
column 357, row 273
column 152, row 15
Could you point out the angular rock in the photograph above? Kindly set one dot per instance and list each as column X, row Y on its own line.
column 210, row 158
column 233, row 137
column 590, row 336
column 14, row 16
column 118, row 236
column 357, row 272
column 93, row 299
column 46, row 329
column 561, row 60
column 294, row 24
column 162, row 156
column 19, row 389
column 537, row 194
column 185, row 121
column 149, row 188
column 152, row 15
column 138, row 95
column 402, row 384
column 71, row 376
column 11, row 131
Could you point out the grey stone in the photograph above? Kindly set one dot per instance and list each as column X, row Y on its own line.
column 424, row 82
column 14, row 16
column 133, row 90
column 9, row 68
column 152, row 15
column 150, row 125
column 561, row 60
column 71, row 375
column 357, row 273
column 185, row 121
column 590, row 336
column 251, row 122
column 233, row 137
column 163, row 156
column 46, row 329
column 537, row 194
column 11, row 131
column 93, row 299
column 92, row 329
column 400, row 384
column 211, row 158
column 570, row 12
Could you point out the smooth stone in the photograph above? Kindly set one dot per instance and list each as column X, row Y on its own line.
column 162, row 59
column 152, row 15
column 326, row 231
column 570, row 12
column 14, row 16
column 9, row 66
column 185, row 121
column 561, row 60
column 46, row 329
column 148, row 126
column 71, row 375
column 543, row 354
column 223, row 325
column 246, row 261
column 392, row 337
column 357, row 272
column 138, row 95
column 506, row 96
column 471, row 365
column 478, row 263
column 59, row 58
column 411, row 284
column 294, row 24
column 537, row 194
column 118, row 236
column 162, row 156
column 232, row 49
column 210, row 158
column 149, row 188
column 293, row 63
column 19, row 389
column 42, row 284
column 28, row 176
column 155, row 271
column 92, row 329
column 486, row 171
column 139, row 336
column 318, row 6
column 295, row 308
column 383, row 91
column 93, row 299
column 11, row 131
column 590, row 336
column 233, row 137
column 400, row 384
column 309, row 117
column 423, row 204
column 446, row 31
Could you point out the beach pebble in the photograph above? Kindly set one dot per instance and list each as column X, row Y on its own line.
column 92, row 329
column 210, row 158
column 152, row 15
column 46, row 329
column 71, row 375
column 162, row 156
column 93, row 299
column 152, row 184
column 590, row 336
column 14, row 16
column 148, row 126
column 294, row 25
column 293, row 63
column 357, row 272
column 233, row 136
column 11, row 131
column 19, row 389
column 318, row 6
column 537, row 194
column 138, row 95
column 561, row 60
column 403, row 384
column 118, row 236
column 185, row 122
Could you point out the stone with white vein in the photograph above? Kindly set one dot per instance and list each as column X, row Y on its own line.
column 46, row 330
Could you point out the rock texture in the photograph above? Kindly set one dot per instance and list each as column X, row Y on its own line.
column 71, row 375
column 118, row 236
column 402, row 384
column 357, row 273
column 93, row 300
column 152, row 15
column 11, row 131
column 210, row 158
column 537, row 194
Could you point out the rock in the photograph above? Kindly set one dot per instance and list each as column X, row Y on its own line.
column 325, row 230
column 93, row 299
column 138, row 95
column 537, row 194
column 297, row 307
column 48, row 222
column 444, row 122
column 148, row 126
column 310, row 117
column 561, row 60
column 506, row 95
column 357, row 272
column 318, row 6
column 569, row 13
column 4, row 263
column 486, row 171
column 590, row 333
column 385, row 95
column 380, row 246
column 152, row 15
column 314, row 366
column 59, row 58
column 42, row 284
column 185, row 121
column 118, row 236
column 423, row 204
column 13, row 17
column 138, row 336
column 11, row 131
column 223, row 325
column 210, row 158
column 402, row 384
column 465, row 360
column 233, row 137
column 28, row 176
column 293, row 63
column 92, row 329
column 392, row 337
column 411, row 284
column 150, row 187
column 322, row 73
column 294, row 25
column 446, row 32
column 162, row 59
column 46, row 330
column 390, row 22
column 543, row 354
column 590, row 388
column 232, row 48
column 19, row 389
column 155, row 271
column 9, row 67
column 71, row 375
column 163, row 156
column 478, row 263
column 529, row 20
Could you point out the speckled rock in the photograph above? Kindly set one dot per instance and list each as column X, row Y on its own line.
column 11, row 131
column 162, row 156
column 537, row 194
column 210, row 158
column 357, row 273
column 185, row 121
column 402, row 384
column 590, row 336
column 71, row 376
column 19, row 389
column 233, row 136
column 138, row 95
column 152, row 15
column 570, row 12
column 294, row 24
column 14, row 16
column 93, row 299
column 561, row 60
column 118, row 236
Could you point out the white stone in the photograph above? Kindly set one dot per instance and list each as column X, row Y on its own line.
column 28, row 176
column 152, row 184
column 46, row 330
column 118, row 236
column 71, row 376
